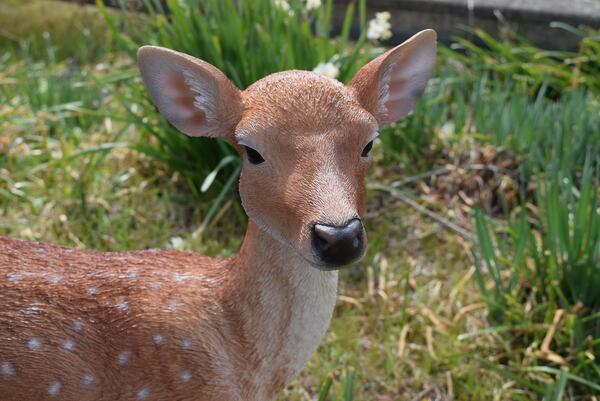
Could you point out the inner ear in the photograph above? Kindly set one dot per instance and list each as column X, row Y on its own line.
column 193, row 95
column 404, row 80
column 185, row 99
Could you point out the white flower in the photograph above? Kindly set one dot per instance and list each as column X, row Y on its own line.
column 177, row 243
column 446, row 131
column 313, row 4
column 384, row 15
column 284, row 5
column 380, row 27
column 328, row 69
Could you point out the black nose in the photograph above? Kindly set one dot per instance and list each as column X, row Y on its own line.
column 339, row 245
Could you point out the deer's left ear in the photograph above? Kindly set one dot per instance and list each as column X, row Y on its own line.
column 389, row 86
column 195, row 96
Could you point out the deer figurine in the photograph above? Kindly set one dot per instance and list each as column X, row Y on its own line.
column 166, row 325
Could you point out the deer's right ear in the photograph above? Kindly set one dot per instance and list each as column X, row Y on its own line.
column 389, row 86
column 196, row 97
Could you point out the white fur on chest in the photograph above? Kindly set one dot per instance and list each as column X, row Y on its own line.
column 311, row 314
column 295, row 320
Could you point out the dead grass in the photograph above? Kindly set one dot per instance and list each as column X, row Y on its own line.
column 399, row 316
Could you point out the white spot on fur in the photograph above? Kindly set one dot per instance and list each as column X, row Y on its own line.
column 178, row 277
column 13, row 277
column 32, row 309
column 173, row 304
column 55, row 279
column 124, row 357
column 92, row 290
column 185, row 376
column 186, row 343
column 123, row 305
column 54, row 388
column 143, row 393
column 34, row 344
column 69, row 344
column 153, row 286
column 77, row 326
column 7, row 368
column 88, row 379
column 158, row 339
column 132, row 274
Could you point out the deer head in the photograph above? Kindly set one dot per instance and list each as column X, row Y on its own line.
column 305, row 139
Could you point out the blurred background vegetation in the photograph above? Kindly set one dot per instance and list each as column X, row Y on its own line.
column 482, row 279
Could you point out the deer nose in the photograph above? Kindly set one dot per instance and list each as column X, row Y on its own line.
column 339, row 245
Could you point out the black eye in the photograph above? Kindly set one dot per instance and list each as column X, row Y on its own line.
column 253, row 156
column 367, row 149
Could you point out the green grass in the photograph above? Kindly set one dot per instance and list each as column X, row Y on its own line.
column 458, row 113
column 514, row 59
column 46, row 27
column 86, row 161
column 546, row 265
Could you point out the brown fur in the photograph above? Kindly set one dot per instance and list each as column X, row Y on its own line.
column 217, row 306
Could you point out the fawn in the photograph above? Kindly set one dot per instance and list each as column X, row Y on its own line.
column 167, row 325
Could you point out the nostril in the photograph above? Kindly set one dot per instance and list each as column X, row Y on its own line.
column 324, row 236
column 353, row 228
column 320, row 240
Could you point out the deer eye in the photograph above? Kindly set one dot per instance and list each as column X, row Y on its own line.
column 253, row 156
column 367, row 149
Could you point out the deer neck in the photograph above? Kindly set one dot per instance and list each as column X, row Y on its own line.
column 285, row 304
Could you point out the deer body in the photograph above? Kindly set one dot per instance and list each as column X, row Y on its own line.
column 166, row 325
column 157, row 325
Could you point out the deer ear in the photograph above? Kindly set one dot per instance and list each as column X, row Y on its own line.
column 196, row 97
column 389, row 86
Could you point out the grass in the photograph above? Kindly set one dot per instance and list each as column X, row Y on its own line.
column 514, row 59
column 456, row 112
column 546, row 270
column 85, row 161
column 43, row 26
